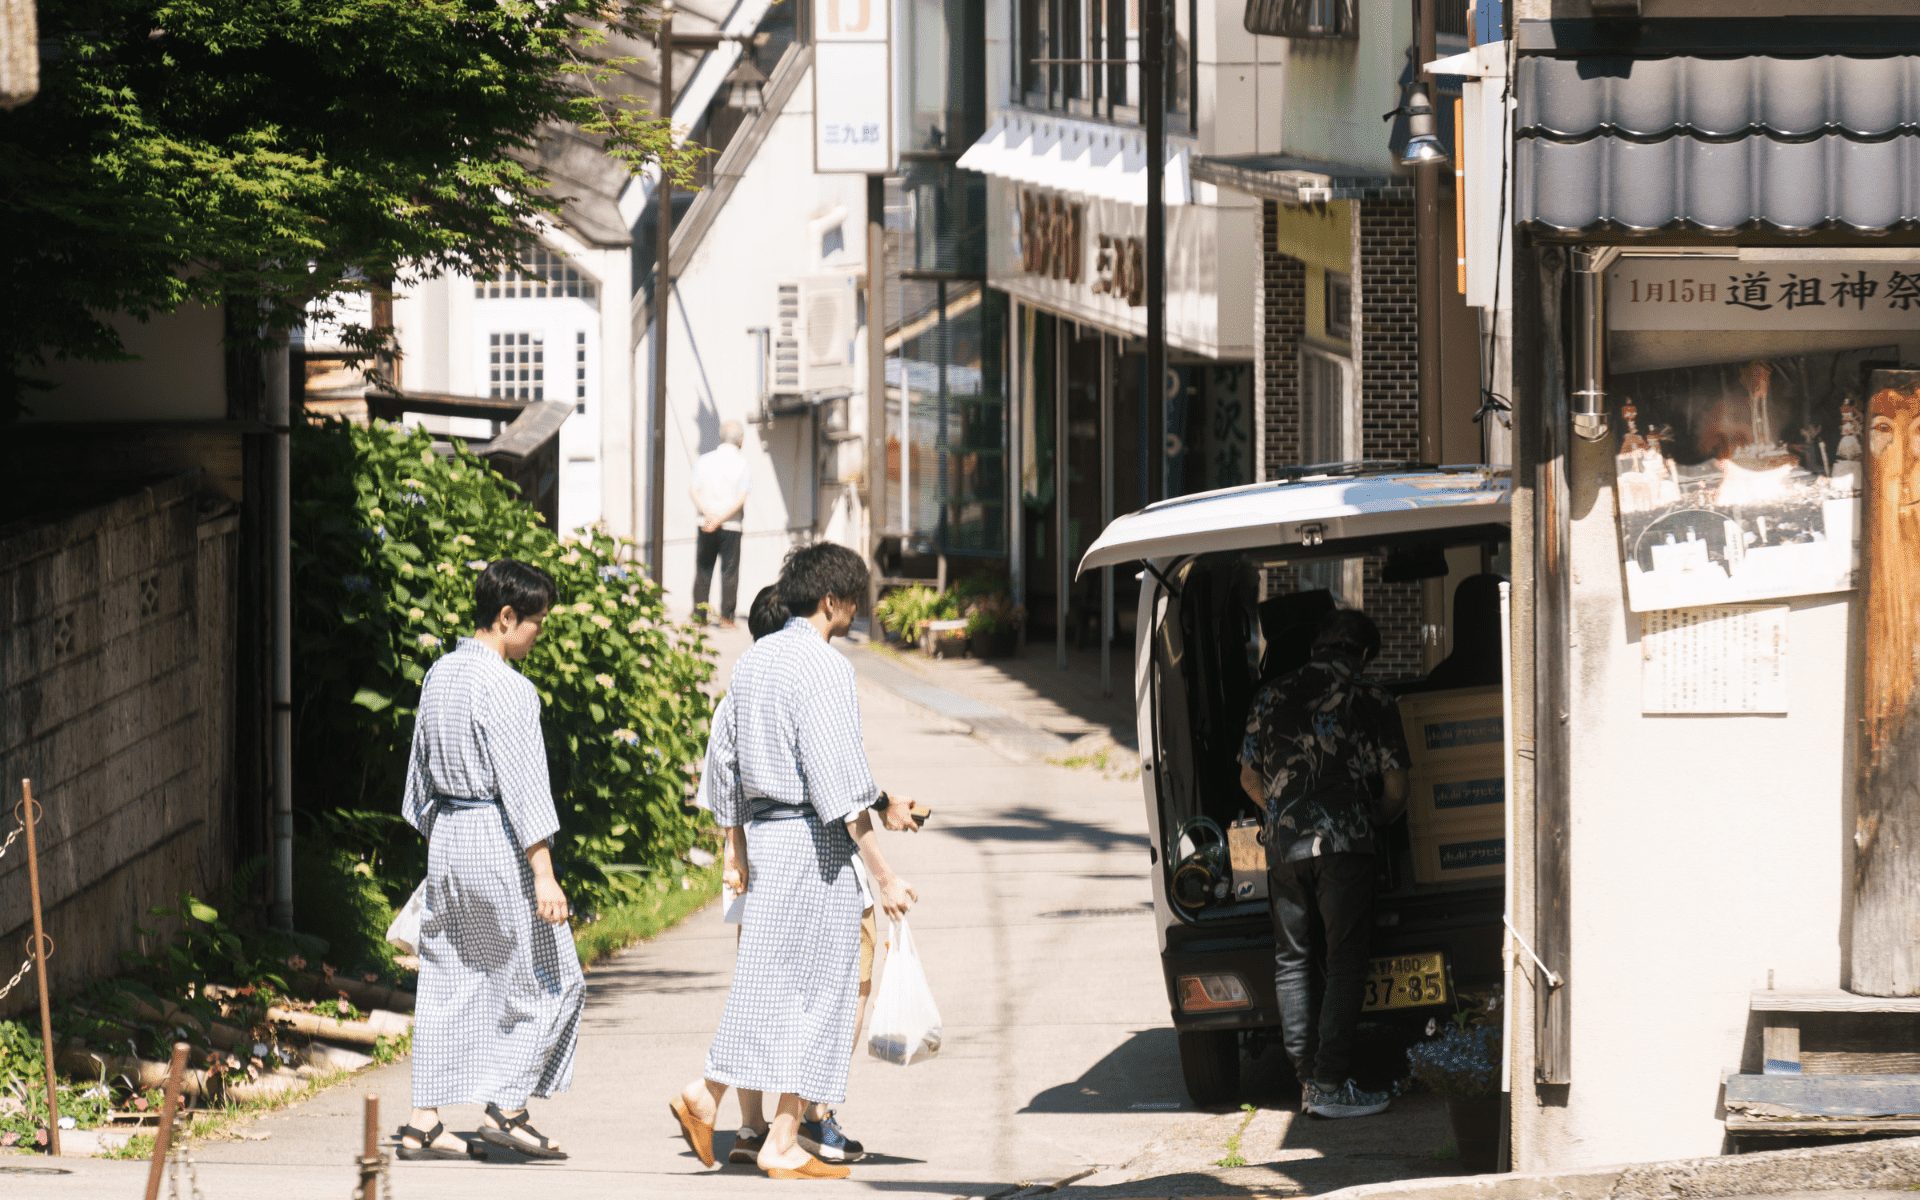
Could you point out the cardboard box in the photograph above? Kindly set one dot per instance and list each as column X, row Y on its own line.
column 1452, row 795
column 1460, row 853
column 1454, row 728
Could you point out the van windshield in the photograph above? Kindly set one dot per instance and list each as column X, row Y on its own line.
column 1234, row 622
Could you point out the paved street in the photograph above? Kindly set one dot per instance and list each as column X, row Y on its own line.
column 1039, row 940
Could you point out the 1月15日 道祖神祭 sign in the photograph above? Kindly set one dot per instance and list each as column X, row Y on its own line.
column 853, row 87
column 1700, row 293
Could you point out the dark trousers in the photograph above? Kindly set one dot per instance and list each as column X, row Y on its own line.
column 1330, row 895
column 723, row 544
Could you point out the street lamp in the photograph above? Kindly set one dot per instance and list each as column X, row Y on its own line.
column 744, row 84
column 1423, row 146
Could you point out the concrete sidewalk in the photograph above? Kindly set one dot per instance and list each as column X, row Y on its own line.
column 1036, row 926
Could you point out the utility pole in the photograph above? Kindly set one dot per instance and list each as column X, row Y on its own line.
column 1426, row 203
column 1153, row 107
column 662, row 298
column 876, row 388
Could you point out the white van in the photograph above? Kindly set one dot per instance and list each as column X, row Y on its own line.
column 1233, row 584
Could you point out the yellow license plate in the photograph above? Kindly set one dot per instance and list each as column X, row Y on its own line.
column 1405, row 981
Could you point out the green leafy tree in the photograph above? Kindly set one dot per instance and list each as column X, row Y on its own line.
column 388, row 537
column 202, row 150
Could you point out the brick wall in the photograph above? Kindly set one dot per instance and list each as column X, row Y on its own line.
column 116, row 699
column 1280, row 320
column 1387, row 348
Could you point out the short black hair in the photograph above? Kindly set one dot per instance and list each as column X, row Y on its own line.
column 767, row 615
column 812, row 573
column 510, row 583
column 1347, row 631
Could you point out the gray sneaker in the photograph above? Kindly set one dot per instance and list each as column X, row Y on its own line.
column 1347, row 1100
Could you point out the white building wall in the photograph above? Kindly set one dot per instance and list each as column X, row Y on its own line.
column 771, row 228
column 1709, row 853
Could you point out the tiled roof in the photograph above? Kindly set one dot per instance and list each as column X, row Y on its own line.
column 1718, row 145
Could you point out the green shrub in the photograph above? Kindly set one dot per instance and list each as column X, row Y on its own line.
column 388, row 537
column 903, row 611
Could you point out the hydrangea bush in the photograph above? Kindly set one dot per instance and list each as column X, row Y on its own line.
column 389, row 536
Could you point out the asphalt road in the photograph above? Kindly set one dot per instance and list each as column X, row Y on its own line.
column 1037, row 931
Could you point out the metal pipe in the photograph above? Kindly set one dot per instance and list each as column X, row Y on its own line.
column 1589, row 399
column 276, row 380
column 662, row 298
column 1018, row 345
column 1107, row 377
column 1062, row 569
column 763, row 341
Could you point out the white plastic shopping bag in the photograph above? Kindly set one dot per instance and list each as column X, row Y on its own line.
column 404, row 933
column 906, row 1022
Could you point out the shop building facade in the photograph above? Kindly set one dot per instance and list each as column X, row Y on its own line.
column 1715, row 276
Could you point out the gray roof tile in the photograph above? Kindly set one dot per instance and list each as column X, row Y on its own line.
column 1718, row 144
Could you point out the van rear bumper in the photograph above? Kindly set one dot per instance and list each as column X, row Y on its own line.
column 1464, row 924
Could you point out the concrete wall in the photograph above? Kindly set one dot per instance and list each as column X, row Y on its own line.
column 773, row 227
column 117, row 699
column 1336, row 90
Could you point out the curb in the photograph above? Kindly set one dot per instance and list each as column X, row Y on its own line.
column 1862, row 1166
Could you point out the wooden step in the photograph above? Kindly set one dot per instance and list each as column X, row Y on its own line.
column 1837, row 1033
column 1823, row 1104
column 1832, row 1000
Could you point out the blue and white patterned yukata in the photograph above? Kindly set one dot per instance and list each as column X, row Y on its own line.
column 498, row 1014
column 786, row 761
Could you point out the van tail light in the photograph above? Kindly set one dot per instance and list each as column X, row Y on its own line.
column 1212, row 993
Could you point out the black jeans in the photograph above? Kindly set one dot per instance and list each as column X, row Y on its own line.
column 1331, row 894
column 723, row 544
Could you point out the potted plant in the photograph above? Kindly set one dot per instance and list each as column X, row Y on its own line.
column 901, row 611
column 1461, row 1066
column 993, row 626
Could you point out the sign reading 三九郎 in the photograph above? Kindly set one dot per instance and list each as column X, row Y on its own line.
column 853, row 87
column 1700, row 293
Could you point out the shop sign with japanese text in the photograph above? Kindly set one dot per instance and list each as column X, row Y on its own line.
column 1053, row 242
column 852, row 87
column 1698, row 293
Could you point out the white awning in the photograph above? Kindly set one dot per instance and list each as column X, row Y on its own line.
column 1076, row 157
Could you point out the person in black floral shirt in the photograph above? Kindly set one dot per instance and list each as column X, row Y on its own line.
column 1323, row 757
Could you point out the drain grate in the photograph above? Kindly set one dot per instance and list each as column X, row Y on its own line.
column 1067, row 914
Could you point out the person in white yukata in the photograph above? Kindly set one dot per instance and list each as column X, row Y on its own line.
column 497, row 1017
column 820, row 1133
column 788, row 779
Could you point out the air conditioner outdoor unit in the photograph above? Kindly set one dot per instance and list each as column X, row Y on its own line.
column 815, row 323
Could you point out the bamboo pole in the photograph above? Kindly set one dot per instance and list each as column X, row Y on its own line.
column 169, row 1106
column 370, row 1151
column 40, row 948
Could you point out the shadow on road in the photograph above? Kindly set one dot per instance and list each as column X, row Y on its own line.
column 1029, row 824
column 1141, row 1073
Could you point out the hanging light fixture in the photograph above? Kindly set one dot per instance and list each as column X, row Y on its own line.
column 1423, row 147
column 744, row 84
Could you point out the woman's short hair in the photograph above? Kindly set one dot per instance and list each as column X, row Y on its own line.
column 510, row 583
column 1347, row 631
column 767, row 615
column 812, row 573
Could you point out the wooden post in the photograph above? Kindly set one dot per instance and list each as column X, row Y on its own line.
column 169, row 1105
column 1883, row 957
column 40, row 954
column 370, row 1151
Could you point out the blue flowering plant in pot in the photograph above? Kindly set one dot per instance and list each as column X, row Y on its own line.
column 1462, row 1066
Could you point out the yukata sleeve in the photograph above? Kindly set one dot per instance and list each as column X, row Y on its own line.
column 416, row 804
column 720, row 786
column 518, row 755
column 831, row 756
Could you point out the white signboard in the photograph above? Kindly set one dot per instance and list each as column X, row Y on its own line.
column 1720, row 659
column 852, row 87
column 1699, row 293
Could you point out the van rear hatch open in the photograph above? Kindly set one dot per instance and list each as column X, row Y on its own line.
column 1310, row 507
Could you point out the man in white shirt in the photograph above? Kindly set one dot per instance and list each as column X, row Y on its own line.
column 721, row 480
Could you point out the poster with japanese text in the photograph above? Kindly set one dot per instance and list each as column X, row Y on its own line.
column 1740, row 480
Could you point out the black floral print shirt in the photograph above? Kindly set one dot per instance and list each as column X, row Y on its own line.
column 1320, row 739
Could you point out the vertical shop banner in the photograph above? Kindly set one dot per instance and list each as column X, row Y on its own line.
column 1740, row 480
column 853, row 87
